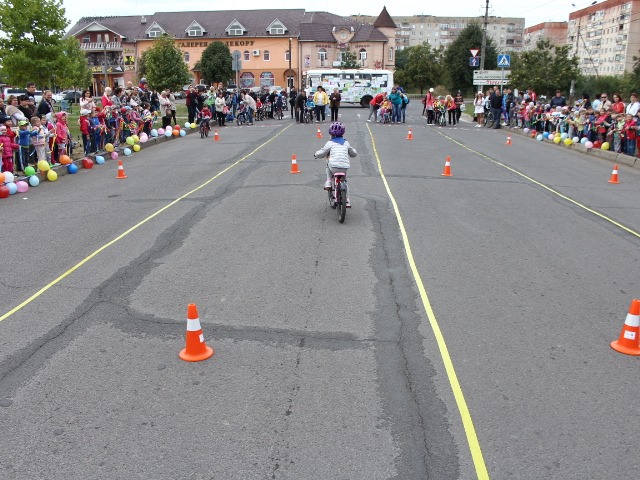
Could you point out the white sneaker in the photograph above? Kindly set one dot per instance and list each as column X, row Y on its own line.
column 369, row 120
column 327, row 185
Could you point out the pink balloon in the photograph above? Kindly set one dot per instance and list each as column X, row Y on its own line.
column 161, row 131
column 144, row 139
column 114, row 155
column 588, row 145
column 22, row 186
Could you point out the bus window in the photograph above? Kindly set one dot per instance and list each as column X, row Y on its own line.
column 380, row 80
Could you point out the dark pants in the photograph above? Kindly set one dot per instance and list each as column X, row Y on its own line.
column 191, row 113
column 320, row 113
column 458, row 113
column 497, row 112
column 221, row 117
column 334, row 114
column 173, row 115
column 431, row 118
column 166, row 121
column 452, row 115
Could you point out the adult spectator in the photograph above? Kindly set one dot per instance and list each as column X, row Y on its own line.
column 165, row 109
column 13, row 111
column 31, row 92
column 144, row 95
column 46, row 104
column 27, row 108
column 320, row 99
column 605, row 103
column 334, row 102
column 192, row 103
column 459, row 101
column 220, row 105
column 428, row 102
column 618, row 104
column 634, row 105
column 292, row 99
column 250, row 103
column 374, row 105
column 106, row 98
column 86, row 101
column 558, row 100
column 586, row 101
column 301, row 100
column 3, row 111
column 508, row 103
column 478, row 108
column 396, row 105
column 172, row 99
column 495, row 100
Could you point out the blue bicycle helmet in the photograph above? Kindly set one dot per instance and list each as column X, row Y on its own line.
column 336, row 129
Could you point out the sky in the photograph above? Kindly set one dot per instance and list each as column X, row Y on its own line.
column 533, row 12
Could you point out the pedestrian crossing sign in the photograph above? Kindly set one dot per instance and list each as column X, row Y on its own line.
column 504, row 60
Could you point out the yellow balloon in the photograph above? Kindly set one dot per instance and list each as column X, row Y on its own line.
column 136, row 138
column 109, row 147
column 43, row 166
column 52, row 176
column 130, row 141
column 136, row 148
column 605, row 146
column 556, row 140
column 568, row 141
column 193, row 125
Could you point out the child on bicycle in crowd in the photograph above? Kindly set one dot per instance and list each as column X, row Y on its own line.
column 205, row 115
column 338, row 150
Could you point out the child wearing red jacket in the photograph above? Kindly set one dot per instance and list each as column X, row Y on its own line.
column 62, row 136
column 85, row 130
column 8, row 147
column 630, row 134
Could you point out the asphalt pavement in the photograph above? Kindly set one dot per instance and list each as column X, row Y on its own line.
column 452, row 328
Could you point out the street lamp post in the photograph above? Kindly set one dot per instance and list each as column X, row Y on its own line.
column 289, row 76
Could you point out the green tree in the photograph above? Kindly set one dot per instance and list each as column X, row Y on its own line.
column 456, row 57
column 545, row 69
column 349, row 59
column 215, row 63
column 402, row 58
column 164, row 66
column 32, row 41
column 423, row 68
column 76, row 72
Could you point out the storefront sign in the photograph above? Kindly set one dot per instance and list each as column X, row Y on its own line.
column 266, row 79
column 247, row 80
column 320, row 45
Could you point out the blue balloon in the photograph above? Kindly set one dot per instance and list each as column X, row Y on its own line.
column 34, row 181
column 539, row 137
column 168, row 133
column 182, row 133
column 72, row 168
column 99, row 160
column 127, row 151
column 154, row 133
column 13, row 188
column 545, row 135
column 187, row 125
column 584, row 140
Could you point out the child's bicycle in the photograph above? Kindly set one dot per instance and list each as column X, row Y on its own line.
column 241, row 116
column 338, row 194
column 205, row 128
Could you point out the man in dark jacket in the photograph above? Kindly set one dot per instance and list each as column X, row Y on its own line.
column 292, row 99
column 496, row 106
column 558, row 100
column 300, row 102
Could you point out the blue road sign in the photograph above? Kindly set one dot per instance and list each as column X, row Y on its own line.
column 504, row 60
column 474, row 62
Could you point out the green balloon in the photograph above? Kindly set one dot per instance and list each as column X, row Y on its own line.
column 29, row 171
column 130, row 140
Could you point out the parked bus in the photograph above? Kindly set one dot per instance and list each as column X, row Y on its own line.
column 355, row 85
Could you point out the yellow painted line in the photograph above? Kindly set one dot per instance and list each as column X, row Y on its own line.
column 542, row 185
column 127, row 232
column 467, row 422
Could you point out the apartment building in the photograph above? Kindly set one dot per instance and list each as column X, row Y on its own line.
column 605, row 36
column 506, row 32
column 555, row 32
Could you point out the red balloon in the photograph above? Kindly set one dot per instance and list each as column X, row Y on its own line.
column 177, row 127
column 87, row 163
column 597, row 144
column 4, row 191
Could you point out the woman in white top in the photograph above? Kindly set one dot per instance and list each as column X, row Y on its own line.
column 478, row 108
column 86, row 101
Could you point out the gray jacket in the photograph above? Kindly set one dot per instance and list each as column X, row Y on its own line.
column 339, row 152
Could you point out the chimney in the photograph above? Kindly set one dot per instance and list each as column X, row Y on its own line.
column 143, row 20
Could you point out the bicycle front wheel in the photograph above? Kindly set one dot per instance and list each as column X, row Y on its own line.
column 341, row 202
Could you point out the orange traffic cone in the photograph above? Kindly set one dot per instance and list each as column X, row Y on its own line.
column 410, row 135
column 294, row 164
column 629, row 341
column 195, row 349
column 216, row 137
column 447, row 168
column 508, row 139
column 614, row 175
column 120, row 170
column 319, row 133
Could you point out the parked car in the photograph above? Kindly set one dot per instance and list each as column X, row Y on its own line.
column 71, row 96
column 231, row 88
column 7, row 91
column 276, row 88
column 179, row 94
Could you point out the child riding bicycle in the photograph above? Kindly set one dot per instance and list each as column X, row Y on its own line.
column 338, row 150
column 205, row 115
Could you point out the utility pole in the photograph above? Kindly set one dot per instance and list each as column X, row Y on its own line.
column 483, row 51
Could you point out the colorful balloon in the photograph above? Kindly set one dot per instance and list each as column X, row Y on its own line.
column 22, row 186
column 167, row 133
column 65, row 160
column 136, row 148
column 114, row 155
column 575, row 140
column 556, row 139
column 182, row 133
column 526, row 130
column 87, row 163
column 136, row 138
column 4, row 191
column 34, row 180
column 154, row 133
column 109, row 147
column 588, row 144
column 584, row 140
column 8, row 177
column 72, row 168
column 43, row 166
column 187, row 125
column 193, row 125
column 29, row 171
column 1, row 177
column 539, row 137
column 605, row 146
column 568, row 142
column 175, row 132
column 563, row 136
column 52, row 176
column 160, row 131
column 130, row 141
column 127, row 151
column 99, row 159
column 12, row 188
column 144, row 139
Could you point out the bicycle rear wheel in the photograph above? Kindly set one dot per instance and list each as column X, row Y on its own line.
column 202, row 131
column 341, row 202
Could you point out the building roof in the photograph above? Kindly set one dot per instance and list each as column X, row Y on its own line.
column 256, row 23
column 384, row 20
column 318, row 27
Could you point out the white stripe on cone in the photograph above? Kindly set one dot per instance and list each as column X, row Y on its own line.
column 193, row 325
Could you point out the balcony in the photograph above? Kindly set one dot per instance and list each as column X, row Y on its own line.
column 101, row 46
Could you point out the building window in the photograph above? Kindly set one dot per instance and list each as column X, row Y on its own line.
column 99, row 38
column 185, row 55
column 362, row 54
column 391, row 54
column 276, row 28
column 86, row 39
column 155, row 32
column 246, row 55
column 287, row 55
column 322, row 54
column 195, row 31
column 265, row 55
